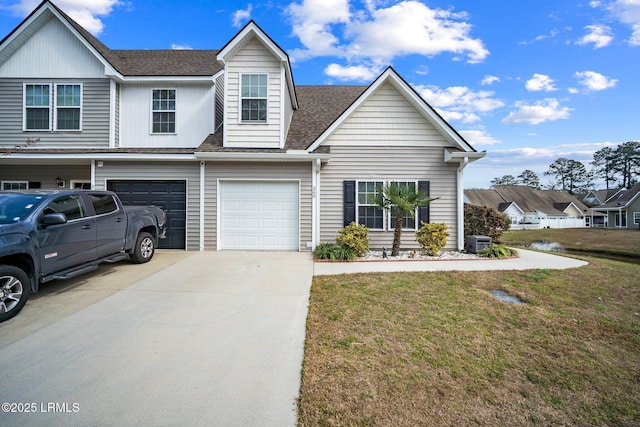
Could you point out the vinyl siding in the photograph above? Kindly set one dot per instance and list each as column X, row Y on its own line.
column 194, row 115
column 373, row 163
column 182, row 171
column 258, row 172
column 95, row 116
column 253, row 58
column 387, row 117
column 51, row 51
column 46, row 175
column 387, row 138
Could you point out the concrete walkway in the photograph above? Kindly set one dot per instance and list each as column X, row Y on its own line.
column 213, row 339
column 527, row 260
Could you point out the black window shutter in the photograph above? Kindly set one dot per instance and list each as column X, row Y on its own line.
column 423, row 211
column 349, row 198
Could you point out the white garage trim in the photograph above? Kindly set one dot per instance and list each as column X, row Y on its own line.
column 258, row 214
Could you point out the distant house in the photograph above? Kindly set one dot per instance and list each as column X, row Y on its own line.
column 598, row 197
column 623, row 209
column 530, row 208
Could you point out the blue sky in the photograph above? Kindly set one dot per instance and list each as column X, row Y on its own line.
column 528, row 81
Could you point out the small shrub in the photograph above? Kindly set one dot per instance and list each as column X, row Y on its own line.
column 354, row 236
column 497, row 251
column 432, row 237
column 332, row 252
column 326, row 250
column 484, row 221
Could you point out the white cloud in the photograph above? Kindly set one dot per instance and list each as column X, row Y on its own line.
column 540, row 82
column 628, row 12
column 242, row 15
column 489, row 80
column 533, row 114
column 599, row 35
column 460, row 98
column 478, row 137
column 176, row 46
column 84, row 12
column 593, row 81
column 379, row 33
column 358, row 72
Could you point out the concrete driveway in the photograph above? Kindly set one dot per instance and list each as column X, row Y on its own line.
column 192, row 338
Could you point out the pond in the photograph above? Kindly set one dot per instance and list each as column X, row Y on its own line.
column 503, row 296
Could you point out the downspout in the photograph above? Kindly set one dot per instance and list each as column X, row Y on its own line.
column 202, row 170
column 460, row 197
column 315, row 203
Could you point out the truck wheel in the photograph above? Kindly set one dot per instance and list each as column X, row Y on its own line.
column 144, row 249
column 14, row 291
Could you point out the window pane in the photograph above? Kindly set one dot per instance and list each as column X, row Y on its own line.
column 68, row 118
column 370, row 216
column 71, row 206
column 407, row 221
column 254, row 110
column 164, row 122
column 68, row 95
column 103, row 203
column 37, row 96
column 37, row 119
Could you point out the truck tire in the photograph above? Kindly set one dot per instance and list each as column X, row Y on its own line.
column 14, row 291
column 144, row 249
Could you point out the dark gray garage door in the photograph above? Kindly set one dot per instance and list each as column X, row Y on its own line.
column 169, row 195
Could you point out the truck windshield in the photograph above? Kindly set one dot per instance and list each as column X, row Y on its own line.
column 15, row 207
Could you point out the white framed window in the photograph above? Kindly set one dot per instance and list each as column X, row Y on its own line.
column 367, row 213
column 78, row 184
column 163, row 111
column 374, row 217
column 636, row 217
column 621, row 219
column 50, row 106
column 253, row 98
column 15, row 185
column 408, row 222
column 68, row 107
column 37, row 107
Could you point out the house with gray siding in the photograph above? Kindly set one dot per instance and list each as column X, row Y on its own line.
column 238, row 155
column 623, row 208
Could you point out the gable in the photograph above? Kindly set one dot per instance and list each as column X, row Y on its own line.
column 49, row 49
column 386, row 117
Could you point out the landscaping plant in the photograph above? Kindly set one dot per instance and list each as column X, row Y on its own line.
column 400, row 201
column 497, row 251
column 484, row 221
column 432, row 237
column 354, row 236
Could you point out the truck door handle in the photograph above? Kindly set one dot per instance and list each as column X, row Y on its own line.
column 118, row 219
column 86, row 227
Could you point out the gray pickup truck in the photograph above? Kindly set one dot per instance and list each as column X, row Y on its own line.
column 48, row 235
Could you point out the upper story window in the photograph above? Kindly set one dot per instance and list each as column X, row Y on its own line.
column 68, row 108
column 37, row 107
column 64, row 100
column 164, row 111
column 254, row 98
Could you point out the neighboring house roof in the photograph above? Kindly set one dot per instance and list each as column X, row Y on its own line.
column 622, row 199
column 549, row 202
column 526, row 199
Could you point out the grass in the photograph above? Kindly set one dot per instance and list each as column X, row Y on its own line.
column 603, row 241
column 435, row 349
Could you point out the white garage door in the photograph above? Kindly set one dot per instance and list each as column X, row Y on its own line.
column 259, row 215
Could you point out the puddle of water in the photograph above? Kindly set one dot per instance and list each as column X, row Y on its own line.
column 547, row 246
column 501, row 295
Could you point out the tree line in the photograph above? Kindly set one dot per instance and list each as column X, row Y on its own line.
column 617, row 167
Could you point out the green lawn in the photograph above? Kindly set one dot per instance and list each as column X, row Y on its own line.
column 435, row 349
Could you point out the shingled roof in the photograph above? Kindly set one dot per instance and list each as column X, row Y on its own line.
column 550, row 202
column 622, row 199
column 319, row 107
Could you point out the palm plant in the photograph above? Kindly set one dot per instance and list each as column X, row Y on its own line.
column 400, row 200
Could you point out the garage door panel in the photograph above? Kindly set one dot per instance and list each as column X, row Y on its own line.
column 267, row 212
column 169, row 195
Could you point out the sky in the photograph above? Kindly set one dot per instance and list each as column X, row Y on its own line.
column 526, row 81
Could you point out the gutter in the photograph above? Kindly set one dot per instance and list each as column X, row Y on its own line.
column 295, row 156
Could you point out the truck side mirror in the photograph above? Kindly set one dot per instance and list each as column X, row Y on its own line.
column 53, row 219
